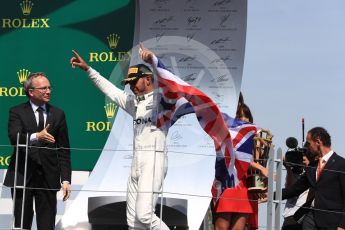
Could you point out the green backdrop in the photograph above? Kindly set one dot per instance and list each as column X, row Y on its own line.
column 38, row 36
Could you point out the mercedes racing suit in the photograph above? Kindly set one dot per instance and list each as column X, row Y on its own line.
column 149, row 164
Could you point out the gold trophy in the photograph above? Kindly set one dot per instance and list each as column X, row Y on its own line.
column 256, row 182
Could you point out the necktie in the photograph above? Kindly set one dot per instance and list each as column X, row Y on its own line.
column 40, row 126
column 320, row 167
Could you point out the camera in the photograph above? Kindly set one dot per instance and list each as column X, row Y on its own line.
column 294, row 156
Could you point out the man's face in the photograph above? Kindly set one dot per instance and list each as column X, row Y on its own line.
column 138, row 86
column 314, row 146
column 40, row 91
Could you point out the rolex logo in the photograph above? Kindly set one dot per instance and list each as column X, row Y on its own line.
column 22, row 75
column 25, row 23
column 26, row 6
column 15, row 91
column 102, row 126
column 110, row 110
column 113, row 40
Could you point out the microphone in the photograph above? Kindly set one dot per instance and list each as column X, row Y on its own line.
column 291, row 142
column 302, row 130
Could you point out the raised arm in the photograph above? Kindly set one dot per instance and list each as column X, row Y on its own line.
column 115, row 94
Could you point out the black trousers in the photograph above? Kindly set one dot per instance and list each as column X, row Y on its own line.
column 290, row 224
column 309, row 222
column 45, row 204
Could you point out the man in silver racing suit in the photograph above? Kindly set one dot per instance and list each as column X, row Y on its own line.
column 149, row 164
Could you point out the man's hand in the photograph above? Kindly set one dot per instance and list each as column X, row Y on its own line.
column 44, row 136
column 145, row 54
column 78, row 61
column 66, row 187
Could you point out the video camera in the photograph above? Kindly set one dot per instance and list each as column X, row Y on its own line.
column 294, row 156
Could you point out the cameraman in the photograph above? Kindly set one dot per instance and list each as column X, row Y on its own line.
column 295, row 161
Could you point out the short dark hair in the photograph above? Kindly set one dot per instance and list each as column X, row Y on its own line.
column 322, row 134
column 28, row 82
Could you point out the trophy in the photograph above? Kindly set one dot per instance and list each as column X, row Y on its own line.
column 256, row 182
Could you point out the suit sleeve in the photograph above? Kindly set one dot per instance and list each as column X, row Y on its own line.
column 297, row 188
column 15, row 126
column 64, row 155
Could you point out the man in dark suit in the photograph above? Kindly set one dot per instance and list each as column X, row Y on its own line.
column 325, row 179
column 48, row 163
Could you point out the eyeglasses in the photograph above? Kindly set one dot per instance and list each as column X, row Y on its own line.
column 43, row 89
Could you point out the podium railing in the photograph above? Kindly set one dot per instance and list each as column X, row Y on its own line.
column 23, row 187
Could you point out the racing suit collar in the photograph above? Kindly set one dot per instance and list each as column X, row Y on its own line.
column 144, row 96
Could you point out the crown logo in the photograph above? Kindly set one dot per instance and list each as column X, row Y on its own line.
column 110, row 110
column 22, row 75
column 113, row 40
column 26, row 6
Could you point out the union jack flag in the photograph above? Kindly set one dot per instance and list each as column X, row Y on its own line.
column 242, row 134
column 177, row 98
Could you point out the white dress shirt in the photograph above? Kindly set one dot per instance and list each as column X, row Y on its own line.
column 33, row 137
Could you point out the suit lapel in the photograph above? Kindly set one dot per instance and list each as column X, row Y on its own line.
column 313, row 171
column 328, row 164
column 50, row 115
column 30, row 115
